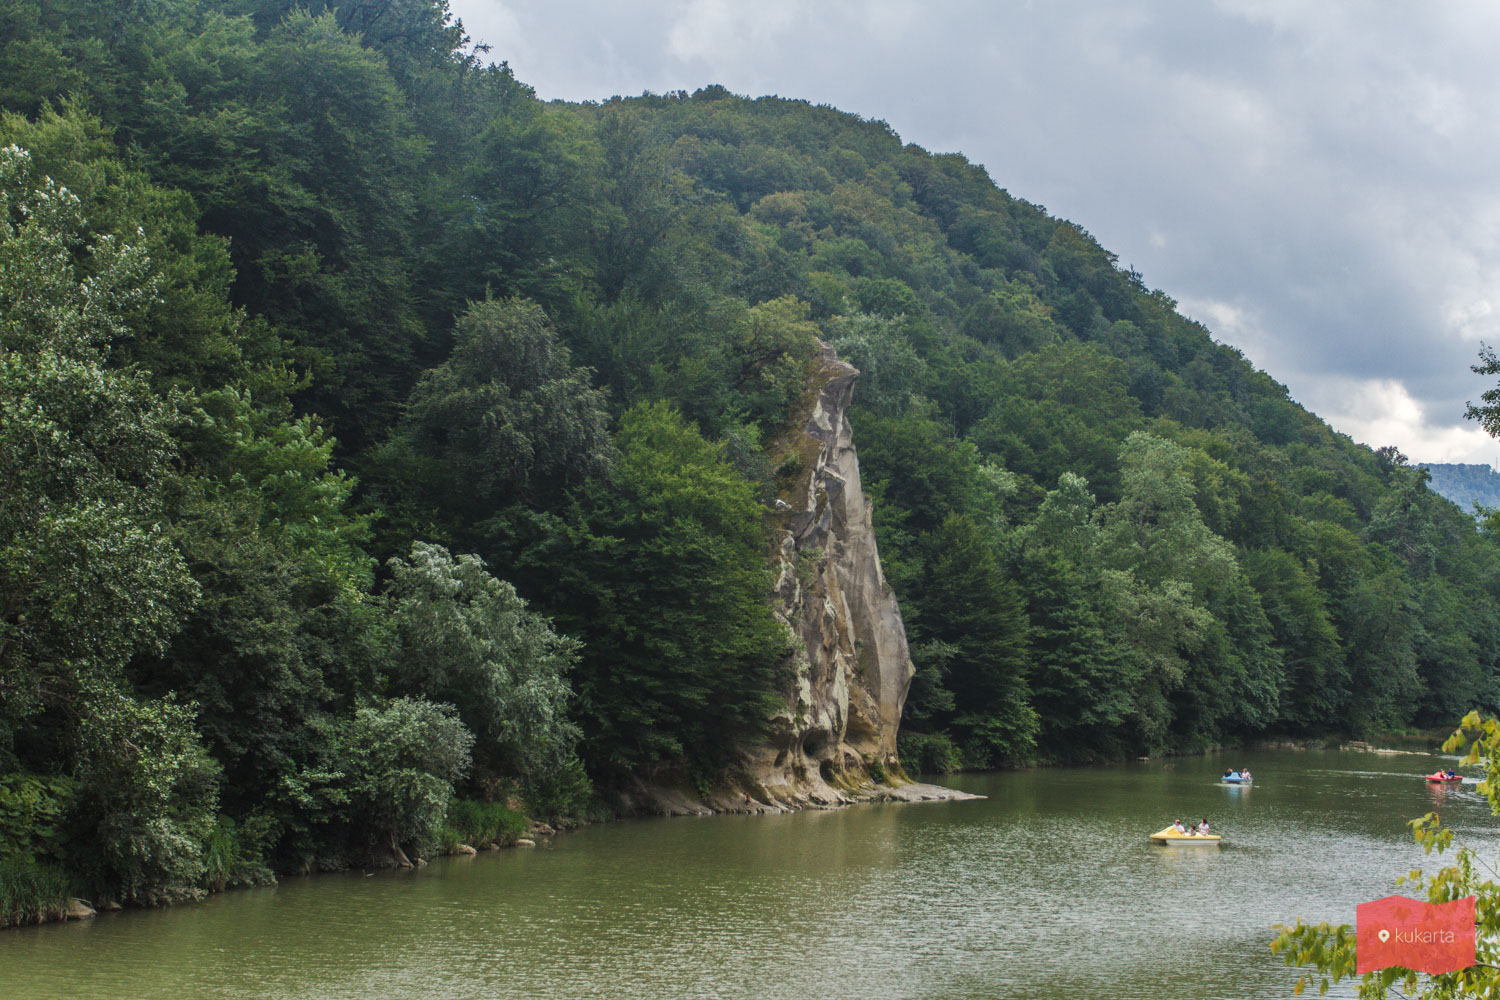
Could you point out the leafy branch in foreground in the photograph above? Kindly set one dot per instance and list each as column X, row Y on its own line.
column 1330, row 950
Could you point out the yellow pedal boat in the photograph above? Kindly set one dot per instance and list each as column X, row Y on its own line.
column 1172, row 838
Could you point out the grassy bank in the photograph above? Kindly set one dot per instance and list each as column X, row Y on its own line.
column 480, row 825
column 36, row 892
column 32, row 892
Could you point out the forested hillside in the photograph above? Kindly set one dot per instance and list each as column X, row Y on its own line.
column 1466, row 485
column 382, row 444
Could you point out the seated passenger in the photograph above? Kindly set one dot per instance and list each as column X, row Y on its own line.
column 1178, row 827
column 1203, row 827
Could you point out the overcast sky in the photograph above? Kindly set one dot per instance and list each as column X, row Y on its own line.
column 1315, row 180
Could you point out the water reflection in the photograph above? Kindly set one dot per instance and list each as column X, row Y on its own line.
column 1049, row 888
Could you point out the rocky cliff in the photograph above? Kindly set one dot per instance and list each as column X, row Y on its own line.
column 852, row 667
column 835, row 740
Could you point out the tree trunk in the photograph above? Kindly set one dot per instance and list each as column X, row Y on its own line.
column 402, row 861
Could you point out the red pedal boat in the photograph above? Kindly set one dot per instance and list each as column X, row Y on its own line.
column 1443, row 778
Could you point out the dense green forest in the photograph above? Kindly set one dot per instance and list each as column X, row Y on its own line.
column 382, row 445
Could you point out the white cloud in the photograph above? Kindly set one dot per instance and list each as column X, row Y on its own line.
column 495, row 24
column 1237, row 324
column 1473, row 320
column 1379, row 412
column 1311, row 180
column 719, row 32
column 706, row 29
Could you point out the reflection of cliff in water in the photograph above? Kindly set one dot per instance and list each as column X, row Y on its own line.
column 1046, row 889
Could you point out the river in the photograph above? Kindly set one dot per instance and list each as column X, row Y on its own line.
column 1047, row 888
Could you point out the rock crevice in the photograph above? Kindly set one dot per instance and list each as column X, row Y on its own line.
column 836, row 739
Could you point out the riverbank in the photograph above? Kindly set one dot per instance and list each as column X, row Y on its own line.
column 1035, row 891
column 32, row 893
column 643, row 799
column 44, row 896
column 1404, row 741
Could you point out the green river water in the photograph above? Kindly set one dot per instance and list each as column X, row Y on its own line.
column 1047, row 888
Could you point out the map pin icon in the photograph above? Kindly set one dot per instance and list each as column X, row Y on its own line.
column 1384, row 936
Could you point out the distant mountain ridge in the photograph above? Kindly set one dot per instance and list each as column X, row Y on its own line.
column 1465, row 485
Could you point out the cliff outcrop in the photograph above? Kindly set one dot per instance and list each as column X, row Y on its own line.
column 834, row 742
column 836, row 738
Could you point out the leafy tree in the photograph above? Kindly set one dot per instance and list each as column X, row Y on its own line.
column 1156, row 528
column 300, row 149
column 1488, row 413
column 1171, row 572
column 146, row 797
column 918, row 472
column 1449, row 659
column 88, row 577
column 664, row 578
column 929, row 702
column 505, row 420
column 1402, row 521
column 1380, row 628
column 37, row 62
column 1061, row 407
column 1012, row 318
column 399, row 761
column 185, row 333
column 769, row 352
column 515, row 207
column 462, row 637
column 283, row 633
column 1315, row 683
column 1082, row 683
column 1159, row 628
column 891, row 373
column 412, row 34
column 970, row 605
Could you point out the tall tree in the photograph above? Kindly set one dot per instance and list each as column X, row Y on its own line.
column 1083, row 686
column 506, row 420
column 87, row 575
column 664, row 577
column 971, row 606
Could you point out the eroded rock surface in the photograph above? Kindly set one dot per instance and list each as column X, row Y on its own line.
column 835, row 740
column 852, row 670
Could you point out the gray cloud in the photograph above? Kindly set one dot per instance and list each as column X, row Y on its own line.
column 1312, row 181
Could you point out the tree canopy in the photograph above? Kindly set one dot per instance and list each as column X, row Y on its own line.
column 373, row 433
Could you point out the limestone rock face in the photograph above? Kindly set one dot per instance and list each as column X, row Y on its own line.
column 834, row 742
column 852, row 665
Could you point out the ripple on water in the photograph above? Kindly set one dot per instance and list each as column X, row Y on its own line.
column 1046, row 889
